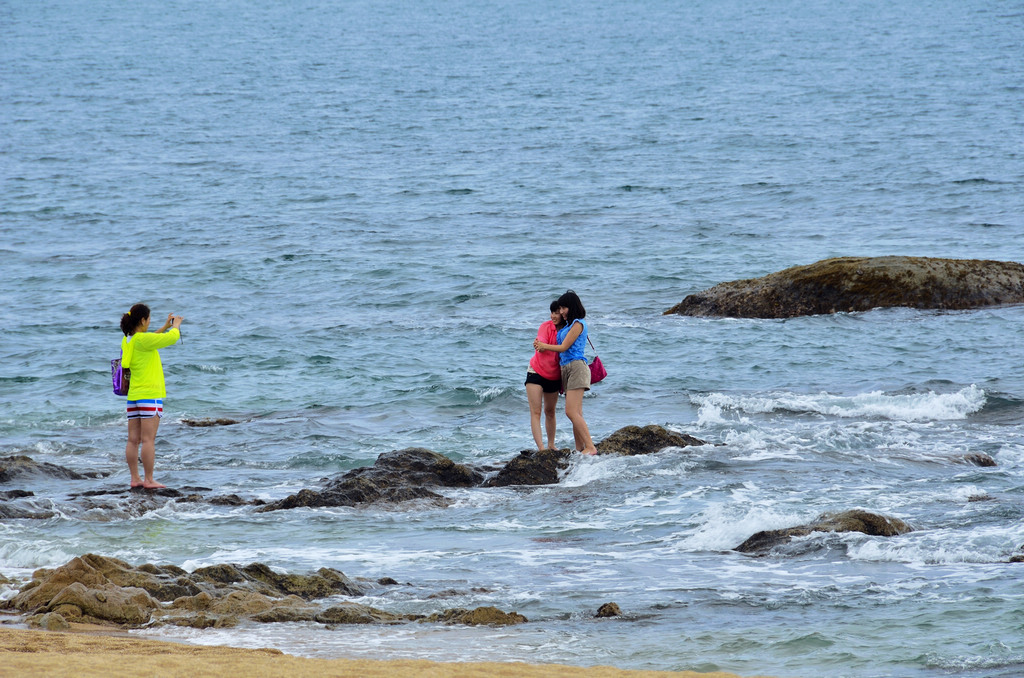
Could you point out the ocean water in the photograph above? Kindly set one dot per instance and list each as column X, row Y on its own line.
column 363, row 210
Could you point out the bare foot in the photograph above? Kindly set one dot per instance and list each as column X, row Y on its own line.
column 136, row 483
column 152, row 485
column 594, row 451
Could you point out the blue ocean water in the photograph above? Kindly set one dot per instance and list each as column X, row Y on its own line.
column 363, row 210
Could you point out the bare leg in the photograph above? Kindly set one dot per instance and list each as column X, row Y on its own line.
column 149, row 427
column 574, row 410
column 550, row 400
column 131, row 450
column 535, row 396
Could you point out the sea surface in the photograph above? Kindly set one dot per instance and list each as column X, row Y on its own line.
column 363, row 210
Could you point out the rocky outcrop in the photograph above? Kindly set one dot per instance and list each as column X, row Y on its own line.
column 633, row 440
column 608, row 610
column 848, row 284
column 396, row 476
column 99, row 590
column 846, row 521
column 532, row 467
column 481, row 616
column 979, row 459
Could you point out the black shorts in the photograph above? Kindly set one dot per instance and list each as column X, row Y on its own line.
column 548, row 385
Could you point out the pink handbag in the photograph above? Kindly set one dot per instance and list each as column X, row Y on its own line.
column 597, row 370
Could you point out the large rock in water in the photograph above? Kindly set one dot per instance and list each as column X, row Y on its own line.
column 861, row 284
column 846, row 521
column 400, row 475
column 634, row 440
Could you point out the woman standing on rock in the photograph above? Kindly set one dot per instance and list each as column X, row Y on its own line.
column 544, row 380
column 146, row 391
column 572, row 339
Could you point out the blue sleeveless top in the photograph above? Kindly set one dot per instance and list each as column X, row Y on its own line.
column 574, row 352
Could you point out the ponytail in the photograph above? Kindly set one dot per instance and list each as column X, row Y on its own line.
column 130, row 321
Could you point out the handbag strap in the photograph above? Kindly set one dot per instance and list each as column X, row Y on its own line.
column 591, row 343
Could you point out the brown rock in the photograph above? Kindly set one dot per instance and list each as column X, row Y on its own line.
column 481, row 616
column 979, row 459
column 354, row 613
column 846, row 521
column 130, row 606
column 634, row 440
column 51, row 621
column 847, row 284
column 608, row 610
column 209, row 422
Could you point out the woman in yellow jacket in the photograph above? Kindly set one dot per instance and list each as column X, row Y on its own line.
column 146, row 391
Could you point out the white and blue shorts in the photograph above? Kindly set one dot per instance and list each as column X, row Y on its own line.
column 144, row 409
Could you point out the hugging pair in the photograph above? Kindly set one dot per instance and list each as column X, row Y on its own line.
column 558, row 366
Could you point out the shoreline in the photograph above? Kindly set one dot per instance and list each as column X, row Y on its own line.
column 91, row 651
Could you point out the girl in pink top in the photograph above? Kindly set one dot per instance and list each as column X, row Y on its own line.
column 544, row 381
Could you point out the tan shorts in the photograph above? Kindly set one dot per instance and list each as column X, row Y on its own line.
column 576, row 375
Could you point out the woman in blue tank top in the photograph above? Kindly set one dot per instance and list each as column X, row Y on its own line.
column 572, row 338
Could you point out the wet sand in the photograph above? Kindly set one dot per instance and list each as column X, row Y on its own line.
column 28, row 654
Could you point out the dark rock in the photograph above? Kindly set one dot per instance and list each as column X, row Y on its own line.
column 608, row 610
column 979, row 459
column 847, row 521
column 633, row 440
column 1017, row 558
column 848, row 284
column 15, row 494
column 401, row 475
column 18, row 465
column 532, row 468
column 383, row 581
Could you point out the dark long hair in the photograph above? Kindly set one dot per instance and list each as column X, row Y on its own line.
column 130, row 321
column 572, row 302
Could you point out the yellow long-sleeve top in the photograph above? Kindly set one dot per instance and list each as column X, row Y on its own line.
column 140, row 355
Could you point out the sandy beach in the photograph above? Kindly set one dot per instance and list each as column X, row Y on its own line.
column 27, row 653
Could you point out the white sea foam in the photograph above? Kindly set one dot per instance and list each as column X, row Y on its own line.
column 725, row 526
column 928, row 406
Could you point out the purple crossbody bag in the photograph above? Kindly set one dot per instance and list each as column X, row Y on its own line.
column 120, row 377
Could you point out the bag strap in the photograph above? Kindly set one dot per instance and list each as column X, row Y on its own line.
column 591, row 343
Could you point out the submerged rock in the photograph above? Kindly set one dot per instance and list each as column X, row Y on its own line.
column 633, row 440
column 203, row 423
column 848, row 284
column 846, row 521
